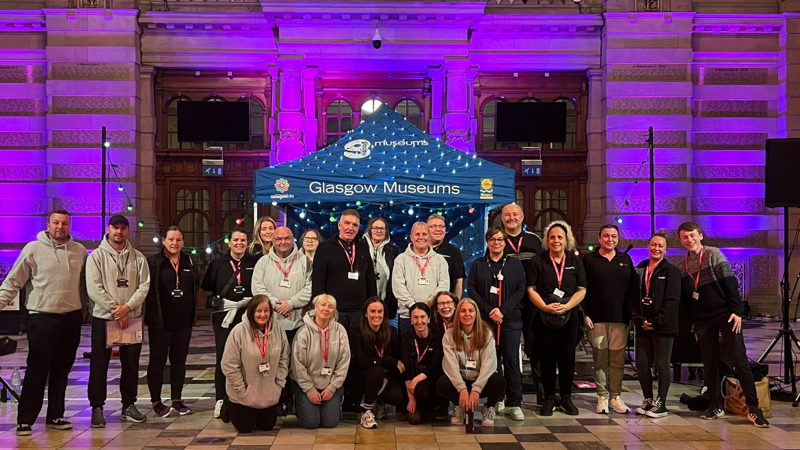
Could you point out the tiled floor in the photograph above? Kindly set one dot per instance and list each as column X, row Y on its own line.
column 681, row 430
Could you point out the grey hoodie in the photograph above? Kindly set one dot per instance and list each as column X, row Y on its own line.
column 307, row 362
column 406, row 275
column 455, row 363
column 102, row 272
column 52, row 276
column 267, row 280
column 243, row 382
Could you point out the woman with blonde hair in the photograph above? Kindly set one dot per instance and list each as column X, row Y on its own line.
column 470, row 363
column 262, row 236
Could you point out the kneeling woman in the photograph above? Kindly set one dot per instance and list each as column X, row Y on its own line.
column 421, row 354
column 320, row 359
column 469, row 364
column 376, row 348
column 255, row 364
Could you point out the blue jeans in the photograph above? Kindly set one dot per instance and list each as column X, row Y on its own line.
column 403, row 325
column 326, row 415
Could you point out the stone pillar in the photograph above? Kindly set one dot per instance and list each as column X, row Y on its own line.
column 288, row 137
column 460, row 126
column 437, row 93
column 596, row 160
column 310, row 109
column 146, row 163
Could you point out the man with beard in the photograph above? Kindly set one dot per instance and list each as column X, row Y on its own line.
column 117, row 280
column 451, row 254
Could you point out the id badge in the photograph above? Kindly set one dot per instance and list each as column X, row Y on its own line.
column 647, row 301
column 238, row 289
column 352, row 275
column 327, row 371
column 558, row 293
column 493, row 290
column 285, row 284
column 177, row 293
column 122, row 282
column 696, row 295
column 471, row 364
column 263, row 368
column 421, row 281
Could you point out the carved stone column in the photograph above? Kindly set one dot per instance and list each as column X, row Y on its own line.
column 146, row 163
column 596, row 160
column 437, row 92
column 288, row 137
column 310, row 109
column 460, row 126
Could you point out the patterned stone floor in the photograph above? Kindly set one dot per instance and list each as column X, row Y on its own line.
column 681, row 430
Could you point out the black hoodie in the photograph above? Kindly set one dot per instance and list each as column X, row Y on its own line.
column 665, row 292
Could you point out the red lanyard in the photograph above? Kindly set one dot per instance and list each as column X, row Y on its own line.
column 286, row 272
column 235, row 267
column 699, row 268
column 351, row 260
column 263, row 349
column 419, row 357
column 380, row 352
column 469, row 350
column 177, row 273
column 647, row 276
column 422, row 268
column 325, row 352
column 519, row 245
column 559, row 274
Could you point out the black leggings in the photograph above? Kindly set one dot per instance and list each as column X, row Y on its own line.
column 172, row 344
column 557, row 347
column 653, row 350
column 494, row 389
column 245, row 418
column 373, row 380
column 220, row 338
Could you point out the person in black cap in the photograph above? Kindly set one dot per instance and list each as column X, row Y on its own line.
column 117, row 280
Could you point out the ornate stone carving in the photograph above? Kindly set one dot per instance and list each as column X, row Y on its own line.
column 91, row 71
column 721, row 239
column 22, row 74
column 648, row 5
column 90, row 138
column 734, row 141
column 458, row 139
column 730, row 76
column 80, row 172
column 631, row 106
column 763, row 279
column 636, row 139
column 739, row 267
column 21, row 107
column 650, row 72
column 729, row 205
column 92, row 105
column 731, row 108
column 22, row 173
column 662, row 172
column 17, row 140
column 91, row 205
column 26, row 207
column 90, row 4
column 664, row 205
column 289, row 146
column 722, row 173
column 5, row 268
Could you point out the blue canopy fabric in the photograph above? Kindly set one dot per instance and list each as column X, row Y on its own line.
column 386, row 158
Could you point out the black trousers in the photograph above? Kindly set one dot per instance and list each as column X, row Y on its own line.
column 557, row 349
column 220, row 338
column 708, row 335
column 653, row 350
column 426, row 396
column 529, row 346
column 373, row 380
column 172, row 344
column 245, row 418
column 493, row 390
column 98, row 368
column 52, row 342
column 353, row 384
column 286, row 392
column 508, row 361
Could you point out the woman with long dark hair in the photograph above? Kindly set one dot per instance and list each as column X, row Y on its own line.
column 444, row 309
column 421, row 353
column 309, row 242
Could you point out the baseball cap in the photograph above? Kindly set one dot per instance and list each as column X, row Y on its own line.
column 116, row 218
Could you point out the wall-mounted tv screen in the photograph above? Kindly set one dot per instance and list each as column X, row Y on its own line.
column 213, row 122
column 531, row 122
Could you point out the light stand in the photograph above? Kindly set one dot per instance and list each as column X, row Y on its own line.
column 650, row 145
column 103, row 149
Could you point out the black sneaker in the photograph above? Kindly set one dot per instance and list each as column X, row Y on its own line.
column 757, row 417
column 24, row 430
column 658, row 410
column 59, row 424
column 223, row 413
column 131, row 414
column 712, row 412
column 98, row 420
column 568, row 407
column 548, row 407
column 647, row 404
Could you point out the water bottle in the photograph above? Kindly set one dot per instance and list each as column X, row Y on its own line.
column 16, row 382
column 470, row 421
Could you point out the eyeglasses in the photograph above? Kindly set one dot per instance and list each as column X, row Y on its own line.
column 436, row 227
column 447, row 303
column 495, row 240
column 282, row 239
column 310, row 239
column 378, row 228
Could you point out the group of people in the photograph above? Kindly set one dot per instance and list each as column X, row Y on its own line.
column 306, row 330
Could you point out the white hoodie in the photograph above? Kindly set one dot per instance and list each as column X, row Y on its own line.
column 267, row 278
column 406, row 278
column 102, row 272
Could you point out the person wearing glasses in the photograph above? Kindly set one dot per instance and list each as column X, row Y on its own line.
column 455, row 261
column 377, row 243
column 310, row 241
column 444, row 308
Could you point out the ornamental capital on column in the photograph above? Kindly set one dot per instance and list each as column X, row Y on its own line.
column 290, row 63
column 309, row 73
column 594, row 74
column 457, row 65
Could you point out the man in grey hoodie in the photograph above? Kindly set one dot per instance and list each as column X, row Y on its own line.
column 51, row 271
column 117, row 280
column 419, row 273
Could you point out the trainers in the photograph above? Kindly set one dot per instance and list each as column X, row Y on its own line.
column 548, row 407
column 712, row 413
column 646, row 405
column 458, row 416
column 500, row 406
column 368, row 420
column 568, row 407
column 516, row 413
column 131, row 414
column 24, row 429
column 487, row 413
column 182, row 409
column 619, row 406
column 757, row 417
column 59, row 424
column 218, row 408
column 659, row 409
column 98, row 420
column 162, row 410
column 602, row 404
column 380, row 411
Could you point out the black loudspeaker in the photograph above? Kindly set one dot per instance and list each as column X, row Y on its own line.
column 783, row 168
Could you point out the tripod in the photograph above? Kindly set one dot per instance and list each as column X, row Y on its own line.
column 785, row 333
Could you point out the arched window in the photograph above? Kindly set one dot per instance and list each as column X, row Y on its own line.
column 369, row 107
column 572, row 125
column 549, row 206
column 410, row 111
column 339, row 120
column 257, row 119
column 488, row 114
column 172, row 125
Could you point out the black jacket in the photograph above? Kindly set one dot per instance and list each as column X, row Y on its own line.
column 220, row 272
column 665, row 291
column 153, row 316
column 367, row 356
column 330, row 276
column 481, row 280
column 390, row 252
column 431, row 363
column 610, row 287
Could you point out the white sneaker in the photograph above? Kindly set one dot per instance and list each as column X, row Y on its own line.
column 500, row 406
column 218, row 408
column 602, row 405
column 619, row 406
column 458, row 416
column 368, row 420
column 516, row 413
column 488, row 416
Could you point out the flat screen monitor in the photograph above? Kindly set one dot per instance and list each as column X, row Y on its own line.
column 531, row 122
column 213, row 122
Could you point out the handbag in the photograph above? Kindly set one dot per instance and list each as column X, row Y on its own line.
column 553, row 321
column 735, row 401
column 216, row 301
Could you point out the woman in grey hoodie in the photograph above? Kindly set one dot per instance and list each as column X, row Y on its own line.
column 255, row 364
column 320, row 359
